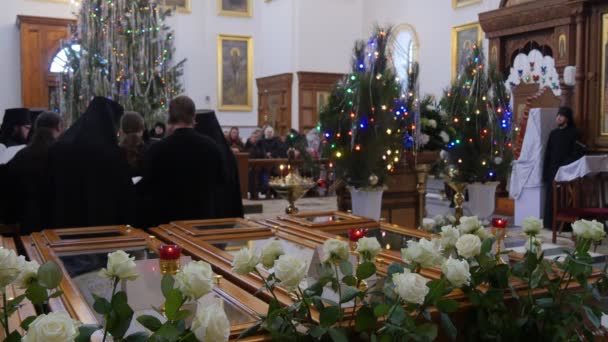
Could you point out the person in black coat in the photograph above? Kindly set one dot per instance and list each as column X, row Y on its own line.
column 16, row 126
column 90, row 183
column 562, row 148
column 181, row 173
column 229, row 197
column 26, row 176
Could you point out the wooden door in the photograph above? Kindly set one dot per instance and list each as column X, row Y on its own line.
column 314, row 90
column 41, row 39
column 274, row 102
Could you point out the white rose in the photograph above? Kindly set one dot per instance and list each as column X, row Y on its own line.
column 52, row 327
column 271, row 252
column 432, row 123
column 532, row 226
column 120, row 265
column 469, row 224
column 468, row 245
column 533, row 245
column 411, row 287
column 245, row 261
column 10, row 266
column 440, row 220
column 290, row 271
column 335, row 250
column 451, row 219
column 424, row 252
column 28, row 273
column 444, row 136
column 456, row 271
column 368, row 247
column 449, row 236
column 211, row 323
column 589, row 229
column 428, row 224
column 482, row 233
column 195, row 279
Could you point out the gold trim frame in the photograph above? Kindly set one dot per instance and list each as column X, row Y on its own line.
column 232, row 13
column 604, row 82
column 180, row 9
column 455, row 31
column 241, row 107
column 463, row 3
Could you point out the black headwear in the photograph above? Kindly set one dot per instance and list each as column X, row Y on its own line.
column 568, row 114
column 207, row 124
column 14, row 117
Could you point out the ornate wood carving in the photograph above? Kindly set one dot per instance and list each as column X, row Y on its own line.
column 274, row 102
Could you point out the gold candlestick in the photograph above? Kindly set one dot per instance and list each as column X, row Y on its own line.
column 458, row 199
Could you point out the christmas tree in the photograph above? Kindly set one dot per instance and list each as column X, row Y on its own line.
column 121, row 49
column 365, row 119
column 477, row 105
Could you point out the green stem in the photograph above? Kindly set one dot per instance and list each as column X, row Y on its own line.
column 531, row 300
column 5, row 312
column 105, row 329
column 306, row 304
column 270, row 289
column 185, row 337
column 339, row 293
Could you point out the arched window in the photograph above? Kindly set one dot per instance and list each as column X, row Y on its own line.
column 60, row 61
column 404, row 51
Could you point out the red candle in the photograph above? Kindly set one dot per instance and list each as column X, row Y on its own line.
column 354, row 234
column 169, row 252
column 498, row 222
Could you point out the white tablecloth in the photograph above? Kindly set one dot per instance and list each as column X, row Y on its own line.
column 527, row 171
column 586, row 166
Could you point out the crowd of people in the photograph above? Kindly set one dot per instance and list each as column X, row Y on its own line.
column 107, row 169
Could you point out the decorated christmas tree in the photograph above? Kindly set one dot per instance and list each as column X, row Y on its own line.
column 363, row 123
column 477, row 105
column 121, row 49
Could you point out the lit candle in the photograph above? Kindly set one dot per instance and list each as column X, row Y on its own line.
column 354, row 234
column 498, row 222
column 169, row 252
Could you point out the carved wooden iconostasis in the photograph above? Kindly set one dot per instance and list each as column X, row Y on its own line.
column 40, row 41
column 274, row 102
column 571, row 33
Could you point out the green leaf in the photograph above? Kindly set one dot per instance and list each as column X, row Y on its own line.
column 56, row 294
column 317, row 331
column 398, row 315
column 123, row 315
column 13, row 337
column 536, row 276
column 251, row 331
column 337, row 335
column 49, row 275
column 85, row 332
column 366, row 270
column 348, row 293
column 349, row 280
column 166, row 284
column 273, row 306
column 36, row 293
column 393, row 268
column 346, row 268
column 167, row 332
column 427, row 330
column 545, row 302
column 25, row 324
column 174, row 301
column 592, row 316
column 150, row 322
column 365, row 319
column 329, row 315
column 182, row 314
column 137, row 337
column 381, row 310
column 447, row 305
column 486, row 245
column 15, row 301
column 448, row 327
column 101, row 305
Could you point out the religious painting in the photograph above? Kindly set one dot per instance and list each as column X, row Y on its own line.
column 239, row 8
column 180, row 5
column 561, row 46
column 604, row 88
column 464, row 38
column 235, row 64
column 462, row 3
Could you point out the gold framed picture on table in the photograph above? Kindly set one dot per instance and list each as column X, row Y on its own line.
column 464, row 37
column 235, row 8
column 235, row 72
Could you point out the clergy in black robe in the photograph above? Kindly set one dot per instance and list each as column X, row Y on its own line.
column 26, row 199
column 562, row 148
column 181, row 173
column 89, row 175
column 229, row 196
column 16, row 126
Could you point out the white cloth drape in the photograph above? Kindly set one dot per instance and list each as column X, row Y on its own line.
column 586, row 166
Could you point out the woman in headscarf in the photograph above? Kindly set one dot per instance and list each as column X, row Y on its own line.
column 90, row 183
column 231, row 204
column 26, row 176
column 16, row 126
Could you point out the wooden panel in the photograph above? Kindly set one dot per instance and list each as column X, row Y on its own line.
column 274, row 102
column 40, row 40
column 313, row 88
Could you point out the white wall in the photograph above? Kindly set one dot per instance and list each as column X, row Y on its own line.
column 433, row 21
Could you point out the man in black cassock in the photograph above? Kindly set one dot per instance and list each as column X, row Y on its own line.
column 229, row 196
column 26, row 197
column 89, row 175
column 181, row 173
column 562, row 149
column 16, row 126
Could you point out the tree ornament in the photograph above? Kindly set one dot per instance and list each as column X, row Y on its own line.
column 373, row 180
